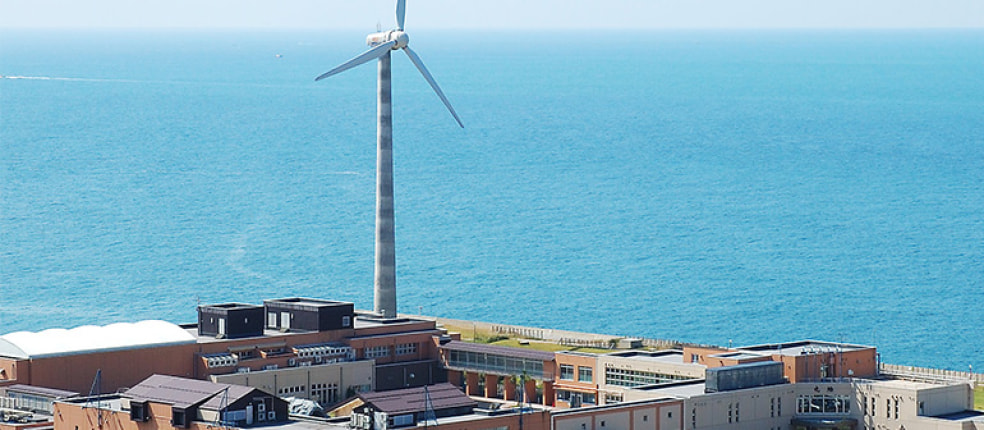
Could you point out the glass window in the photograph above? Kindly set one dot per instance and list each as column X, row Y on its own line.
column 584, row 374
column 567, row 372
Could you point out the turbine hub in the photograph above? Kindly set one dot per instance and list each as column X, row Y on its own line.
column 401, row 38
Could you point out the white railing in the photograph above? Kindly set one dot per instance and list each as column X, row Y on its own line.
column 930, row 373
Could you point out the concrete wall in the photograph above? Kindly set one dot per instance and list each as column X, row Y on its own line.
column 752, row 409
column 344, row 375
column 647, row 415
column 536, row 420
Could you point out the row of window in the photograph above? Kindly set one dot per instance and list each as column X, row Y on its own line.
column 481, row 361
column 376, row 351
column 576, row 399
column 384, row 350
column 635, row 378
column 325, row 394
column 734, row 411
column 406, row 349
column 891, row 405
column 584, row 373
column 291, row 390
column 823, row 404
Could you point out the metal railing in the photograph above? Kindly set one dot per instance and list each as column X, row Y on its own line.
column 926, row 373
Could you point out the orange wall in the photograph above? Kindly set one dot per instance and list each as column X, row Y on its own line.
column 538, row 420
column 863, row 363
column 577, row 361
column 120, row 369
column 703, row 354
column 10, row 368
column 69, row 416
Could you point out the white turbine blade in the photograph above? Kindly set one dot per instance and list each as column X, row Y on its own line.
column 430, row 79
column 372, row 54
column 401, row 13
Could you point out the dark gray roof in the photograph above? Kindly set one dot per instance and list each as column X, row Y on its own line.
column 184, row 393
column 508, row 351
column 412, row 400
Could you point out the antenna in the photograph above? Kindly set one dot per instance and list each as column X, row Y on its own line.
column 220, row 418
column 95, row 391
column 428, row 409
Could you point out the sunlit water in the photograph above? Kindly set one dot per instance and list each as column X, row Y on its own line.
column 704, row 186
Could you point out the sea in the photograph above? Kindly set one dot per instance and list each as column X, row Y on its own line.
column 728, row 187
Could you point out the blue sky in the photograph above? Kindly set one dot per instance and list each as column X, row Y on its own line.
column 493, row 14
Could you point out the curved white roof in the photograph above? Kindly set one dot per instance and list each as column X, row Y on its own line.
column 59, row 341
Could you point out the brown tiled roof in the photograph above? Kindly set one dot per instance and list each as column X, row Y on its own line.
column 183, row 392
column 412, row 400
column 508, row 351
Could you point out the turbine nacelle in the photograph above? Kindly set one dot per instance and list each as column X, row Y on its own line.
column 399, row 36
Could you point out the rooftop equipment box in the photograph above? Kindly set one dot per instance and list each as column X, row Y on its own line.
column 308, row 314
column 231, row 320
column 741, row 376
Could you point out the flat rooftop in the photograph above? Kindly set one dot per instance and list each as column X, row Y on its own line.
column 804, row 347
column 305, row 302
column 506, row 351
column 361, row 322
column 740, row 355
column 669, row 356
column 963, row 416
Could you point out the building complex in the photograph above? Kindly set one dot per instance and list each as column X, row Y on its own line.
column 241, row 365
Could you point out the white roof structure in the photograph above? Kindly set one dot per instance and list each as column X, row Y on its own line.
column 119, row 336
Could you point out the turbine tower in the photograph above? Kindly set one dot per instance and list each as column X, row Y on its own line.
column 381, row 44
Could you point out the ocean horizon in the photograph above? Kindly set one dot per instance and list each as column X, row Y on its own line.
column 725, row 186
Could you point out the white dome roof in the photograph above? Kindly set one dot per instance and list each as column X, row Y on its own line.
column 59, row 341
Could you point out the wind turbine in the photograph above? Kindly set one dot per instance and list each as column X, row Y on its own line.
column 381, row 44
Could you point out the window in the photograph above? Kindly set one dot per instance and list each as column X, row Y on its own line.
column 178, row 418
column 567, row 372
column 346, row 321
column 634, row 378
column 406, row 349
column 612, row 398
column 694, row 358
column 402, row 420
column 896, row 408
column 377, row 351
column 737, row 417
column 779, row 406
column 772, row 407
column 888, row 408
column 584, row 374
column 823, row 404
column 325, row 394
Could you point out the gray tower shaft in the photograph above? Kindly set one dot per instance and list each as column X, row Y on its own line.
column 385, row 271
